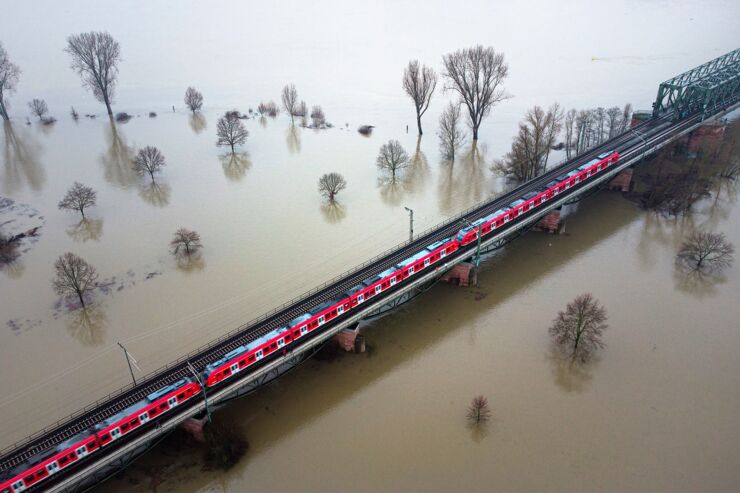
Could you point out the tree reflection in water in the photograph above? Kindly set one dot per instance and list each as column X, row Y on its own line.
column 118, row 159
column 418, row 172
column 333, row 211
column 293, row 139
column 88, row 325
column 392, row 190
column 197, row 123
column 21, row 160
column 156, row 194
column 86, row 230
column 191, row 263
column 571, row 375
column 14, row 269
column 235, row 165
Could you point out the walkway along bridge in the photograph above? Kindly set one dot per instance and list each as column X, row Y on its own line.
column 673, row 117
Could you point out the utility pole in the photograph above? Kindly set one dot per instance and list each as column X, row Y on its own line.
column 411, row 224
column 476, row 260
column 203, row 386
column 128, row 360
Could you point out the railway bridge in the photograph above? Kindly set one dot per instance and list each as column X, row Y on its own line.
column 683, row 103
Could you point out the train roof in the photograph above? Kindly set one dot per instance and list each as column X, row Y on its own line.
column 437, row 244
column 318, row 309
column 562, row 177
column 516, row 203
column 551, row 184
column 531, row 195
column 588, row 164
column 73, row 440
column 412, row 259
column 263, row 339
column 605, row 154
column 354, row 289
column 573, row 173
column 169, row 388
column 386, row 273
column 298, row 320
column 126, row 412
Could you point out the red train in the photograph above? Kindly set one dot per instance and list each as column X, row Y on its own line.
column 45, row 464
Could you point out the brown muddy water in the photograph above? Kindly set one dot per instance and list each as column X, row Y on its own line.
column 657, row 411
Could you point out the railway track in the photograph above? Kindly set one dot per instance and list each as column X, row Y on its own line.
column 627, row 144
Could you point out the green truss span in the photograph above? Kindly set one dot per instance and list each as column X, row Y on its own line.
column 713, row 85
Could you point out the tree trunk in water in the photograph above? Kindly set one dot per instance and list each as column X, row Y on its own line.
column 82, row 211
column 79, row 295
column 107, row 104
column 418, row 123
column 475, row 132
column 3, row 111
column 232, row 148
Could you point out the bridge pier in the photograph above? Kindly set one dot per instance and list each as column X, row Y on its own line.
column 194, row 427
column 464, row 274
column 622, row 181
column 549, row 223
column 705, row 139
column 351, row 340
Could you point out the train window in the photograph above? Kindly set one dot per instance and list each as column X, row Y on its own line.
column 63, row 461
column 134, row 421
column 163, row 405
column 124, row 427
column 273, row 345
column 251, row 358
column 153, row 412
column 29, row 478
column 295, row 334
column 40, row 473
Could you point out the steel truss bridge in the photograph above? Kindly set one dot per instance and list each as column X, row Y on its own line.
column 673, row 118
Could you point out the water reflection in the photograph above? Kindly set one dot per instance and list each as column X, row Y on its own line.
column 293, row 139
column 418, row 172
column 479, row 431
column 191, row 263
column 463, row 183
column 14, row 269
column 393, row 189
column 571, row 375
column 263, row 121
column 333, row 212
column 86, row 230
column 21, row 160
column 197, row 123
column 117, row 160
column 235, row 165
column 87, row 325
column 156, row 194
column 697, row 283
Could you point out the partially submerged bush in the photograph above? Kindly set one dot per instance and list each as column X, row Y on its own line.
column 225, row 445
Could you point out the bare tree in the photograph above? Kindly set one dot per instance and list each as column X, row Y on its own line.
column 9, row 75
column 78, row 198
column 187, row 240
column 318, row 117
column 419, row 82
column 193, row 99
column 478, row 411
column 269, row 109
column 531, row 147
column 570, row 119
column 613, row 121
column 290, row 100
column 706, row 252
column 38, row 107
column 579, row 329
column 626, row 120
column 392, row 158
column 95, row 57
column 230, row 131
column 149, row 160
column 451, row 137
column 302, row 109
column 477, row 75
column 74, row 276
column 330, row 184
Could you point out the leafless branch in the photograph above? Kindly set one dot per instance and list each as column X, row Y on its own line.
column 451, row 137
column 9, row 75
column 330, row 184
column 74, row 276
column 95, row 57
column 78, row 198
column 706, row 252
column 478, row 410
column 38, row 107
column 230, row 131
column 187, row 240
column 290, row 100
column 392, row 158
column 578, row 330
column 419, row 83
column 193, row 99
column 149, row 160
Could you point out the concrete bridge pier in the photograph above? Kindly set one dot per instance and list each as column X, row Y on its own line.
column 550, row 223
column 622, row 181
column 463, row 274
column 194, row 427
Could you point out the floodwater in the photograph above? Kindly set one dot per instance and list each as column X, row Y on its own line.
column 657, row 411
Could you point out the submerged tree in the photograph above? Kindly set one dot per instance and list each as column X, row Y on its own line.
column 478, row 411
column 318, row 117
column 8, row 249
column 224, row 446
column 78, row 198
column 578, row 330
column 185, row 242
column 95, row 57
column 149, row 160
column 74, row 276
column 706, row 252
column 230, row 131
column 38, row 107
column 9, row 75
column 330, row 184
column 451, row 137
column 477, row 75
column 290, row 100
column 392, row 158
column 193, row 99
column 531, row 147
column 419, row 82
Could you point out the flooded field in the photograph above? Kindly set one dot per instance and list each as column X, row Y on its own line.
column 657, row 411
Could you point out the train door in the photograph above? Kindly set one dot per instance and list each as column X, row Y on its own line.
column 304, row 330
column 443, row 254
column 18, row 486
column 52, row 467
column 259, row 355
column 360, row 298
column 281, row 342
column 426, row 262
column 340, row 310
column 393, row 281
column 172, row 401
column 234, row 368
column 81, row 452
column 143, row 418
column 378, row 289
column 321, row 320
